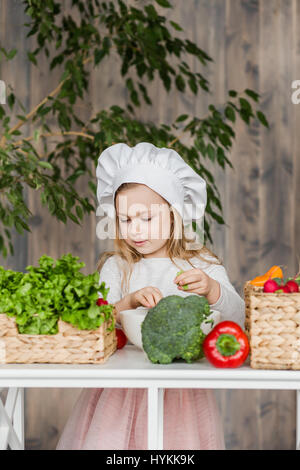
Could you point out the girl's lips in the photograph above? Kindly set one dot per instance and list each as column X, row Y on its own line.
column 140, row 243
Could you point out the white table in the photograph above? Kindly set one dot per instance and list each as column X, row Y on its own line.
column 130, row 368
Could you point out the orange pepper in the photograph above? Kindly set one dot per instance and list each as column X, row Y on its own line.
column 275, row 271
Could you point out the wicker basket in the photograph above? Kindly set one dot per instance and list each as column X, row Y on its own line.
column 272, row 325
column 69, row 346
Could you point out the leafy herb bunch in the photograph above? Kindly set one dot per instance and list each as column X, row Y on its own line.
column 39, row 297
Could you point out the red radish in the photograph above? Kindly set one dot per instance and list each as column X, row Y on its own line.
column 283, row 289
column 293, row 286
column 270, row 286
column 101, row 301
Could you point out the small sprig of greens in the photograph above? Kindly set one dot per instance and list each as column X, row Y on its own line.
column 53, row 290
column 185, row 286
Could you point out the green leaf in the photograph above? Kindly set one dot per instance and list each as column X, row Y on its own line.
column 51, row 206
column 22, row 118
column 152, row 13
column 43, row 110
column 92, row 186
column 7, row 232
column 45, row 165
column 232, row 93
column 245, row 105
column 134, row 98
column 255, row 96
column 73, row 217
column 129, row 84
column 11, row 54
column 164, row 3
column 2, row 112
column 211, row 152
column 19, row 227
column 93, row 311
column 182, row 117
column 193, row 85
column 11, row 100
column 36, row 134
column 79, row 212
column 262, row 118
column 245, row 116
column 229, row 113
column 176, row 26
column 224, row 139
column 180, row 83
column 217, row 217
column 32, row 58
column 98, row 55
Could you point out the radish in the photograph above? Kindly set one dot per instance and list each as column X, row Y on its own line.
column 270, row 286
column 293, row 286
column 284, row 289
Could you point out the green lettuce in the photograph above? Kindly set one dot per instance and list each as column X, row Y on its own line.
column 53, row 290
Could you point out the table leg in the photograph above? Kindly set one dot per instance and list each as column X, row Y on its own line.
column 298, row 421
column 19, row 418
column 155, row 418
column 12, row 420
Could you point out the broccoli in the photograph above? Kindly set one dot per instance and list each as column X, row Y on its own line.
column 172, row 329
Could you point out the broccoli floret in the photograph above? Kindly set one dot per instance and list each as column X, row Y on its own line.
column 172, row 329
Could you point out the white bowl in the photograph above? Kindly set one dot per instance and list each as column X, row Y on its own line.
column 131, row 321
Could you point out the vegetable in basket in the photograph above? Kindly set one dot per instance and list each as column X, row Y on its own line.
column 281, row 285
column 53, row 290
column 172, row 329
column 273, row 281
column 274, row 271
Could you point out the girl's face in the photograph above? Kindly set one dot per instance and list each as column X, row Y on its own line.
column 147, row 221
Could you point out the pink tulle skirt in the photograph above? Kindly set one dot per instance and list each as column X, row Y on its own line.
column 116, row 419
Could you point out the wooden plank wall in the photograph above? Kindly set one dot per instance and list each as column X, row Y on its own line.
column 254, row 44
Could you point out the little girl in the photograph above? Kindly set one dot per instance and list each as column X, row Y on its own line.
column 153, row 194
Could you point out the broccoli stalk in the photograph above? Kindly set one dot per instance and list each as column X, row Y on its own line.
column 172, row 329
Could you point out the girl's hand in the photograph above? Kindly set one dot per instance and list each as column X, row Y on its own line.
column 146, row 297
column 197, row 281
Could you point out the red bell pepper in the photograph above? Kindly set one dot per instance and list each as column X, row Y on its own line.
column 226, row 345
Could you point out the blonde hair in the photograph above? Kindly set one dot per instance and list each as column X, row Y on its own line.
column 176, row 247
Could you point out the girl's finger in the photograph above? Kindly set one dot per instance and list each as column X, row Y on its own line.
column 157, row 296
column 150, row 300
column 191, row 278
column 199, row 286
column 197, row 273
column 189, row 271
column 143, row 299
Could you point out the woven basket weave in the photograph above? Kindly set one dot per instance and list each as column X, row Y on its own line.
column 69, row 346
column 272, row 325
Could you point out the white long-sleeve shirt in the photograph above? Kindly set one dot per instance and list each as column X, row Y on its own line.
column 160, row 273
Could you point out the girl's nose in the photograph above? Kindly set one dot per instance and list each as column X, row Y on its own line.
column 136, row 227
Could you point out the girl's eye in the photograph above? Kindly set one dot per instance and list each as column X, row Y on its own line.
column 144, row 220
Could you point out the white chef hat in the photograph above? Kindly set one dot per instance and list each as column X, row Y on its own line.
column 161, row 169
